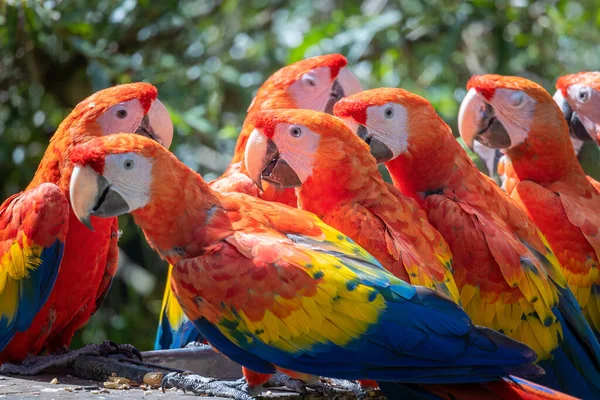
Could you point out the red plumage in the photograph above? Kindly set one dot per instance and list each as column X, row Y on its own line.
column 90, row 258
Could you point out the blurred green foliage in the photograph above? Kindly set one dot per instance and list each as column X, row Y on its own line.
column 208, row 57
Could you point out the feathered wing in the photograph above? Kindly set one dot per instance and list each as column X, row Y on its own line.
column 174, row 328
column 304, row 297
column 511, row 281
column 577, row 242
column 511, row 388
column 33, row 227
column 402, row 239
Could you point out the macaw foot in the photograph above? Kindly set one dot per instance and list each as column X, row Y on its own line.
column 33, row 365
column 282, row 380
column 238, row 390
column 350, row 386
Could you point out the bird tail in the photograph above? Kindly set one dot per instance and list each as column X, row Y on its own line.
column 174, row 328
column 511, row 388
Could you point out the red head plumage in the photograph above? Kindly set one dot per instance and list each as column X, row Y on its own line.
column 96, row 104
column 93, row 152
column 356, row 106
column 282, row 79
column 486, row 85
column 591, row 79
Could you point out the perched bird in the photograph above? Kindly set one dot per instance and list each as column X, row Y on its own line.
column 314, row 83
column 54, row 272
column 578, row 96
column 273, row 287
column 521, row 118
column 509, row 278
column 338, row 180
column 579, row 92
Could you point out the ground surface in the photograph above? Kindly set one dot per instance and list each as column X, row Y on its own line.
column 39, row 387
column 64, row 385
column 68, row 387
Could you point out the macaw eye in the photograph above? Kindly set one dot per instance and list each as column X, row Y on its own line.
column 121, row 114
column 128, row 164
column 388, row 112
column 295, row 131
column 309, row 80
column 583, row 95
column 516, row 98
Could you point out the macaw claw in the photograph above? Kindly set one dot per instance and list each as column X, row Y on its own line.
column 238, row 389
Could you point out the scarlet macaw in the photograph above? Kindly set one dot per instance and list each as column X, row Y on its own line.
column 54, row 272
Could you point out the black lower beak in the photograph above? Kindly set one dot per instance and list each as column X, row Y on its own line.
column 576, row 128
column 492, row 134
column 378, row 150
column 337, row 92
column 108, row 202
column 277, row 171
column 146, row 130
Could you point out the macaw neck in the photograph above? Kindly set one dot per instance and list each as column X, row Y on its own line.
column 544, row 157
column 55, row 166
column 426, row 165
column 347, row 181
column 184, row 216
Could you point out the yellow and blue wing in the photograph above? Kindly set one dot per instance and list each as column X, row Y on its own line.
column 319, row 304
column 33, row 227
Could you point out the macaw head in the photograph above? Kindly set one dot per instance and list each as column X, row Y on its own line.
column 286, row 147
column 578, row 96
column 315, row 83
column 507, row 112
column 391, row 121
column 131, row 107
column 116, row 174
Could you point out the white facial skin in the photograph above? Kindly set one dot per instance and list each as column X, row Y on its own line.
column 297, row 145
column 130, row 175
column 127, row 116
column 513, row 108
column 311, row 91
column 586, row 102
column 387, row 123
column 122, row 117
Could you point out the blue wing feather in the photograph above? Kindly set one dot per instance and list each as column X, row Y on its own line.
column 36, row 289
column 455, row 351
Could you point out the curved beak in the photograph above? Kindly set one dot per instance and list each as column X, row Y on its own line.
column 577, row 129
column 92, row 195
column 477, row 121
column 379, row 150
column 345, row 84
column 264, row 163
column 157, row 124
